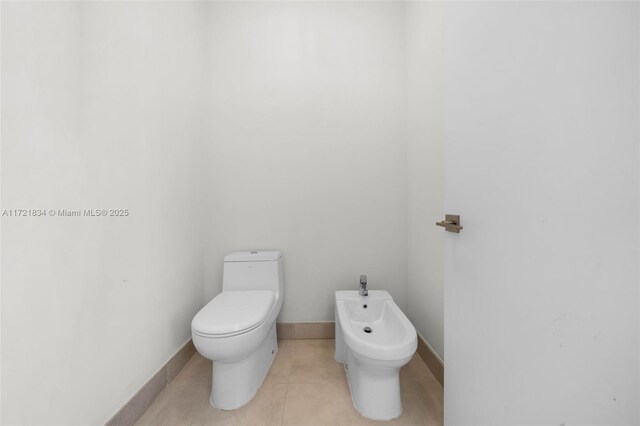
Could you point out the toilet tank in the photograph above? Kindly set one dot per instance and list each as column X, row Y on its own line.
column 253, row 270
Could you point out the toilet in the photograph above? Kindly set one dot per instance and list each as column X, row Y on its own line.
column 374, row 339
column 237, row 329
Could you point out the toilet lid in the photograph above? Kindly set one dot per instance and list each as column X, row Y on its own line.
column 233, row 311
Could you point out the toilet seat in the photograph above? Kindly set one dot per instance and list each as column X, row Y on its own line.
column 233, row 312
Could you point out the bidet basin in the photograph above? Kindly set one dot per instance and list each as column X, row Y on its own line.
column 391, row 336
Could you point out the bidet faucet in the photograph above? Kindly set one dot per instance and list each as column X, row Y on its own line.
column 363, row 286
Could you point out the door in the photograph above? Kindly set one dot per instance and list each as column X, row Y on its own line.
column 541, row 145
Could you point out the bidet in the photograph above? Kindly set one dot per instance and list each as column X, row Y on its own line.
column 374, row 339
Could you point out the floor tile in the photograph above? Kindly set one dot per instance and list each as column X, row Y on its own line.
column 281, row 367
column 266, row 408
column 304, row 373
column 320, row 404
column 417, row 370
column 304, row 386
column 313, row 352
column 419, row 404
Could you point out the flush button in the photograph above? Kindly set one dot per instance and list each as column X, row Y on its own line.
column 254, row 252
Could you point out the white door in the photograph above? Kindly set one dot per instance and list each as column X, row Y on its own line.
column 541, row 115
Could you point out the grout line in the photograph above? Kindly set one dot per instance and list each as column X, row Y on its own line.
column 284, row 409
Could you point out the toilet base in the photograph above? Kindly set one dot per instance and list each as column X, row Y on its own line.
column 234, row 384
column 375, row 390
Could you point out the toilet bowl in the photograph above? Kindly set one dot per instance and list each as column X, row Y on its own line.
column 236, row 329
column 374, row 339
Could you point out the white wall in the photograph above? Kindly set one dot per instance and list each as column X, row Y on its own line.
column 542, row 124
column 306, row 145
column 103, row 102
column 425, row 162
column 322, row 140
column 100, row 109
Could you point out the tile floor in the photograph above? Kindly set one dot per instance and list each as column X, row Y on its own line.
column 305, row 386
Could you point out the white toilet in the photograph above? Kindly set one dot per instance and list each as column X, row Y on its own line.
column 237, row 329
column 374, row 339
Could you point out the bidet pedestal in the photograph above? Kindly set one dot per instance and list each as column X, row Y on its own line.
column 375, row 390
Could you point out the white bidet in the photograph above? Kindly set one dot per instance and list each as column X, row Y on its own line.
column 374, row 339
